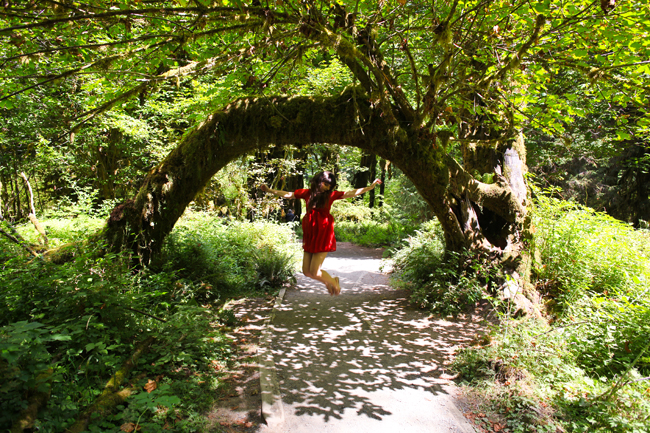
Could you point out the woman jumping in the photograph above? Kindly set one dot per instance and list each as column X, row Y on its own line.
column 318, row 224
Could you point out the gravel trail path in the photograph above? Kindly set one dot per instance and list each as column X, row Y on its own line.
column 364, row 361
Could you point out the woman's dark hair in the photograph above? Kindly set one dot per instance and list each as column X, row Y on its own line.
column 318, row 199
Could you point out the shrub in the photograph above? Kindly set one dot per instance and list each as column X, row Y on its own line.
column 584, row 370
column 528, row 376
column 598, row 270
column 224, row 254
column 345, row 210
column 378, row 227
column 609, row 332
column 582, row 250
column 274, row 268
column 438, row 281
column 372, row 233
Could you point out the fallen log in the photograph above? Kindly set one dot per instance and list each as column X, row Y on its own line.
column 36, row 401
column 111, row 396
column 20, row 242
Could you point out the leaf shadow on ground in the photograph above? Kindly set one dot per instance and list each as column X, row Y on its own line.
column 351, row 352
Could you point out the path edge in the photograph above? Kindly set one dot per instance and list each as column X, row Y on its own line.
column 272, row 410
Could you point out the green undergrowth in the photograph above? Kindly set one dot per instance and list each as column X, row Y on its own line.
column 379, row 227
column 436, row 280
column 67, row 329
column 233, row 257
column 527, row 377
column 584, row 366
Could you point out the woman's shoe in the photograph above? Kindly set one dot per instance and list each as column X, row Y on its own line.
column 337, row 288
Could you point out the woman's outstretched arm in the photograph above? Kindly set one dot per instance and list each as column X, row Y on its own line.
column 356, row 192
column 279, row 193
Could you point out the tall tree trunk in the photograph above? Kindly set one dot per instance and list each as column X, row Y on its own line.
column 361, row 177
column 373, row 174
column 106, row 163
column 297, row 181
column 17, row 210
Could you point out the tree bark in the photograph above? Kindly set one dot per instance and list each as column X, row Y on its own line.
column 32, row 215
column 382, row 177
column 17, row 210
column 106, row 160
column 296, row 181
column 373, row 174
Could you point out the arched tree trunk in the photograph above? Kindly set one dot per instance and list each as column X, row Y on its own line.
column 481, row 206
column 245, row 125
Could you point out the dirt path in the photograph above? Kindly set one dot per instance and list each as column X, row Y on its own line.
column 362, row 361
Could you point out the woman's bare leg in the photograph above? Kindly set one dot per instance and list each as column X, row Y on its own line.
column 311, row 267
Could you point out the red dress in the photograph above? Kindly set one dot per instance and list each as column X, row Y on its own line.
column 318, row 224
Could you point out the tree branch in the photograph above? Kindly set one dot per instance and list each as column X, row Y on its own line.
column 192, row 68
column 146, row 314
column 111, row 396
column 349, row 55
column 71, row 72
column 137, row 12
column 416, row 78
column 515, row 60
column 77, row 47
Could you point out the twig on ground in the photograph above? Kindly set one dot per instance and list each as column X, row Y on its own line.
column 563, row 326
column 643, row 379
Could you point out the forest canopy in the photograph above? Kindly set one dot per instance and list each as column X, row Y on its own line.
column 441, row 89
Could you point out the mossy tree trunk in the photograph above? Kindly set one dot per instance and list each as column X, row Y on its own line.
column 486, row 215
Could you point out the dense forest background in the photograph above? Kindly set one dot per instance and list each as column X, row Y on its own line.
column 98, row 97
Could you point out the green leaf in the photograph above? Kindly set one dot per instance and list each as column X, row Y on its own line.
column 643, row 69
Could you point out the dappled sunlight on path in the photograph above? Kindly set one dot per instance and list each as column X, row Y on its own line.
column 364, row 359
